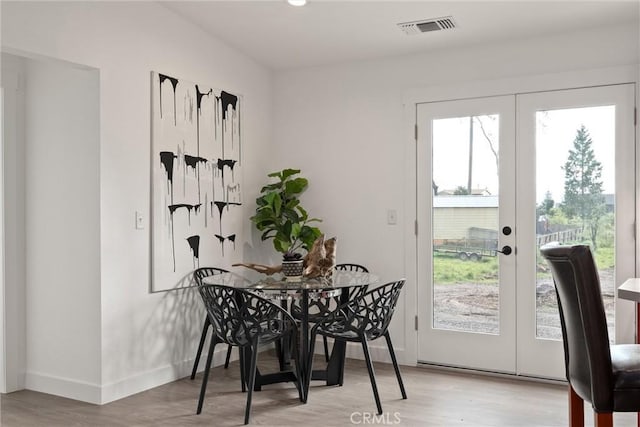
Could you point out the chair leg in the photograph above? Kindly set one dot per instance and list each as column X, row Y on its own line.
column 299, row 382
column 372, row 375
column 326, row 349
column 395, row 364
column 205, row 378
column 252, row 379
column 603, row 420
column 203, row 337
column 308, row 364
column 226, row 360
column 243, row 376
column 576, row 409
column 279, row 354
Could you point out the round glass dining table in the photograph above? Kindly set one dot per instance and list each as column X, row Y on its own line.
column 278, row 287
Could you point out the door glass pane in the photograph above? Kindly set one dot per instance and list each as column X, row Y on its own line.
column 575, row 198
column 465, row 223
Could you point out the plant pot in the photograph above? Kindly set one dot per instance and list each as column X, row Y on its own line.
column 293, row 269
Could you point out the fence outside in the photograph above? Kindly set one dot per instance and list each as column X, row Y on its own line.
column 564, row 236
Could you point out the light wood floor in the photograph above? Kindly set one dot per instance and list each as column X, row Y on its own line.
column 435, row 398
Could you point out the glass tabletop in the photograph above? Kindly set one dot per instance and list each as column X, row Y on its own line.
column 328, row 286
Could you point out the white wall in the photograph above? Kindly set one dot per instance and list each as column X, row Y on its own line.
column 353, row 117
column 146, row 339
column 62, row 223
column 14, row 340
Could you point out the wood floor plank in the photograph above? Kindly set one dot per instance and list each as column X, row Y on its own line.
column 435, row 398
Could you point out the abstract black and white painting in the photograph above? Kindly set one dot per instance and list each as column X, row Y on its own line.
column 196, row 180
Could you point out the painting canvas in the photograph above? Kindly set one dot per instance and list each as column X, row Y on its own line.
column 196, row 194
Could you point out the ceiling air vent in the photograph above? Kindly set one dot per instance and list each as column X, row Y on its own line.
column 425, row 25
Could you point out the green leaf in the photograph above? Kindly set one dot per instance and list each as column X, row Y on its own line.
column 277, row 205
column 291, row 215
column 267, row 235
column 303, row 213
column 280, row 246
column 287, row 173
column 296, row 186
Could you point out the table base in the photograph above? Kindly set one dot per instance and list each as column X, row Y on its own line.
column 333, row 374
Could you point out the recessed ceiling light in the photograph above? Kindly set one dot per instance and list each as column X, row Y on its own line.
column 297, row 2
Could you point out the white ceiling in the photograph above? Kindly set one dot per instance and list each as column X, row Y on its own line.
column 324, row 32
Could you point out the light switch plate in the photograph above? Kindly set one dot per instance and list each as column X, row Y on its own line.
column 392, row 217
column 139, row 221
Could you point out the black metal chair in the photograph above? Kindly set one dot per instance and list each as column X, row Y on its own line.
column 321, row 307
column 198, row 275
column 364, row 319
column 246, row 320
column 351, row 267
column 607, row 376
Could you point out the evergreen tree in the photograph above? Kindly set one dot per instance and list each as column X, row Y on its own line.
column 545, row 207
column 583, row 184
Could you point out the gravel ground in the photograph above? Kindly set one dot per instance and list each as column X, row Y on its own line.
column 474, row 307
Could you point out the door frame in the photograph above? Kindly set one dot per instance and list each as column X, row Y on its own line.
column 3, row 364
column 625, row 311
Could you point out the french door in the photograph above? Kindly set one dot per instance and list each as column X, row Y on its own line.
column 464, row 199
column 497, row 177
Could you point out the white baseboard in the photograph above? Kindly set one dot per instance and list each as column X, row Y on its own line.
column 100, row 395
column 157, row 377
column 377, row 349
column 63, row 387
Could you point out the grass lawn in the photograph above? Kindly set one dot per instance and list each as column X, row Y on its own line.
column 448, row 269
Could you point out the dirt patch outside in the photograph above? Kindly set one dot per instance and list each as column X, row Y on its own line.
column 473, row 307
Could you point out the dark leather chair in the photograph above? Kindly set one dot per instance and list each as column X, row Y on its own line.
column 607, row 376
column 363, row 319
column 246, row 320
column 198, row 275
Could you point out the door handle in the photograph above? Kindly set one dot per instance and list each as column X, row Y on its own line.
column 506, row 250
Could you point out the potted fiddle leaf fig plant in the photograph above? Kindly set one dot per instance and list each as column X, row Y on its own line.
column 281, row 218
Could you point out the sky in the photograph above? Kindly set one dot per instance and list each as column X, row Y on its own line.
column 555, row 133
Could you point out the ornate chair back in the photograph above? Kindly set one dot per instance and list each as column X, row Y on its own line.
column 240, row 317
column 369, row 314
